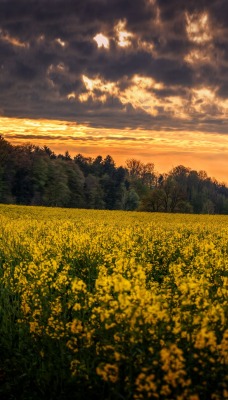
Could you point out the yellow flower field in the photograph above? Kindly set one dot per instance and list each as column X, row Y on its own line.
column 113, row 305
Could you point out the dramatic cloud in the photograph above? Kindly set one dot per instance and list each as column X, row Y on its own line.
column 153, row 64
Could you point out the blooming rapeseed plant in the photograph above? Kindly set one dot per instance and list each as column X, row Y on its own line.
column 131, row 304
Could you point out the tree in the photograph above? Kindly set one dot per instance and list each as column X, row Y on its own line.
column 75, row 183
column 208, row 207
column 22, row 186
column 108, row 187
column 39, row 178
column 49, row 152
column 132, row 200
column 57, row 192
column 94, row 193
column 97, row 166
column 108, row 165
column 7, row 171
column 153, row 201
column 148, row 175
column 84, row 163
column 134, row 168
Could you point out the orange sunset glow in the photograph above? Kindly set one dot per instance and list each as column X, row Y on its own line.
column 207, row 152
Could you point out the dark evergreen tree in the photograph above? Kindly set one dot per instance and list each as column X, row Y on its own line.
column 75, row 182
column 40, row 178
column 22, row 188
column 7, row 171
column 57, row 192
column 94, row 193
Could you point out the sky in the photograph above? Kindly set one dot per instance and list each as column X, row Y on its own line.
column 143, row 79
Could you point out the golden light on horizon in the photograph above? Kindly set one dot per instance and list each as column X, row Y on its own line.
column 197, row 150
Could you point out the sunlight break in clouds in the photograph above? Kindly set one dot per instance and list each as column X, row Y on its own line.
column 198, row 27
column 61, row 42
column 199, row 32
column 123, row 37
column 138, row 93
column 196, row 56
column 141, row 94
column 98, row 89
column 122, row 34
column 101, row 40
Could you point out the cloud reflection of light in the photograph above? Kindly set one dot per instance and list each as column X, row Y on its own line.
column 123, row 36
column 198, row 28
column 12, row 40
column 101, row 40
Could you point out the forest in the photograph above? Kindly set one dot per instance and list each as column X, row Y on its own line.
column 34, row 175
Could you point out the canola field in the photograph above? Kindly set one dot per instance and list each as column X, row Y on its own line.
column 112, row 305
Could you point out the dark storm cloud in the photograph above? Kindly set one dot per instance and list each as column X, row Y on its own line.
column 46, row 47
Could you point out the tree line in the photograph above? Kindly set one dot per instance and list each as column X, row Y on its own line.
column 34, row 175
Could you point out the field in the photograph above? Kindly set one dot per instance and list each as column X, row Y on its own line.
column 112, row 305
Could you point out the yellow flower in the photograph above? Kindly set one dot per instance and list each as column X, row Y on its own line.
column 108, row 372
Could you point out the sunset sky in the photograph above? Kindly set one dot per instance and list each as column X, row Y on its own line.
column 144, row 79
